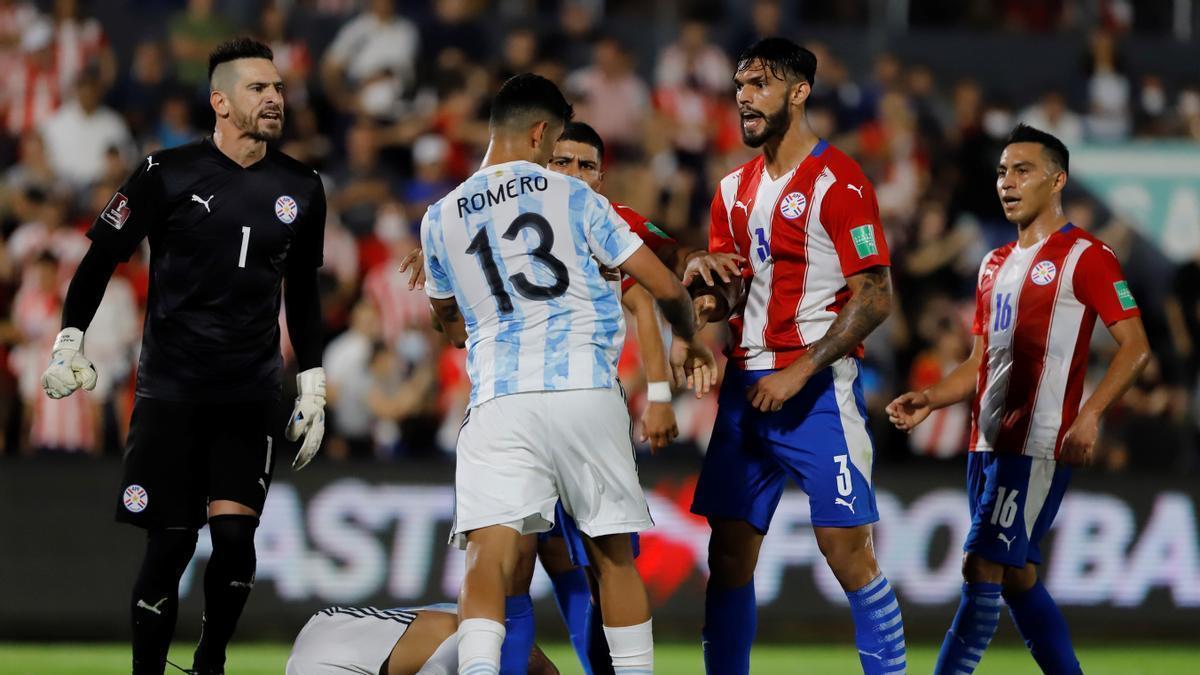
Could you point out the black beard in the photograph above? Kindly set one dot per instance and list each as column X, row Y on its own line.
column 774, row 125
column 263, row 136
column 249, row 128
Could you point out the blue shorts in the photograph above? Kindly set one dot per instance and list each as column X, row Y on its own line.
column 819, row 439
column 1013, row 501
column 565, row 527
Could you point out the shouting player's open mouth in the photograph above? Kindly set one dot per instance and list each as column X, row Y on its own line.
column 752, row 122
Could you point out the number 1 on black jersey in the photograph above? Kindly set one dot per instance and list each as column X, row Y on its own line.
column 245, row 246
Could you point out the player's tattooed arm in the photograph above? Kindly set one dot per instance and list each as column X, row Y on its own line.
column 869, row 305
column 447, row 314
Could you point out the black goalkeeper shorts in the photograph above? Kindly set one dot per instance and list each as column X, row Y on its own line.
column 182, row 455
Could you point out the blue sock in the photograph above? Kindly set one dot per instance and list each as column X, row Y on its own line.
column 730, row 621
column 1044, row 630
column 972, row 630
column 878, row 627
column 518, row 636
column 574, row 598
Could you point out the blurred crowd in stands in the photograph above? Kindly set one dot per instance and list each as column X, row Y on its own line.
column 388, row 100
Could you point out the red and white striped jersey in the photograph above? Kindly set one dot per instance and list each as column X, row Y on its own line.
column 1035, row 309
column 400, row 309
column 30, row 95
column 804, row 233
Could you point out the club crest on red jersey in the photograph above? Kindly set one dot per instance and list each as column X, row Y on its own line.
column 792, row 205
column 1043, row 273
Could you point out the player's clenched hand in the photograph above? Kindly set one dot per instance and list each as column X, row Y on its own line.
column 658, row 425
column 1080, row 439
column 414, row 264
column 770, row 393
column 693, row 363
column 69, row 369
column 724, row 265
column 909, row 410
column 703, row 307
column 308, row 417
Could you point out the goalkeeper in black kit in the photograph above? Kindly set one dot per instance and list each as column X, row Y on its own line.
column 234, row 227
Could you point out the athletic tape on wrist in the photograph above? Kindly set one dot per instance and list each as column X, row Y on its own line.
column 658, row 392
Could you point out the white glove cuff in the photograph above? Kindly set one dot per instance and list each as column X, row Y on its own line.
column 69, row 338
column 658, row 392
column 312, row 382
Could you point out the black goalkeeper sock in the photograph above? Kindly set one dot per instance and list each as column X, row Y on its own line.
column 227, row 583
column 155, row 600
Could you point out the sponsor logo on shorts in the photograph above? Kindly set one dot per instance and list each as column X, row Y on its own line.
column 136, row 498
column 848, row 504
column 1007, row 542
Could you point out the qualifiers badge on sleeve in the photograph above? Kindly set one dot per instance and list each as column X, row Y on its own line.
column 136, row 499
column 117, row 211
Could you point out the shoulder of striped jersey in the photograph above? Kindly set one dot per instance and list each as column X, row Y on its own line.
column 992, row 255
column 844, row 167
column 1095, row 241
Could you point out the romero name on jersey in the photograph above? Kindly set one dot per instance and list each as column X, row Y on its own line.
column 519, row 248
column 803, row 234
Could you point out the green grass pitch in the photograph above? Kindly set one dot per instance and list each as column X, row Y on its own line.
column 671, row 659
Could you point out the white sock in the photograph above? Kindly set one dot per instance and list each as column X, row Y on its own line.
column 444, row 660
column 479, row 643
column 631, row 648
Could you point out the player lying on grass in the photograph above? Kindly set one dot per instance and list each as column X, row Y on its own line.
column 369, row 641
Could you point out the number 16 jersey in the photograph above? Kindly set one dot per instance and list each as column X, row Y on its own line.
column 1035, row 309
column 519, row 248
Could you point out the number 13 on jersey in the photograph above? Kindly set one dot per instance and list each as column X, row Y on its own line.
column 481, row 248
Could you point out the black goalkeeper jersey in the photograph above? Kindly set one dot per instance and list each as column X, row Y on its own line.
column 222, row 238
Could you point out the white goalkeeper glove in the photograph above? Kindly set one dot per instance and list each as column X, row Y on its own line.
column 69, row 369
column 308, row 417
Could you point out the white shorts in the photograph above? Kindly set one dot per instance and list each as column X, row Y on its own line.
column 341, row 640
column 520, row 454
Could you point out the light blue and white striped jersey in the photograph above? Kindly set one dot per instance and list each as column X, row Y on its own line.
column 517, row 247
